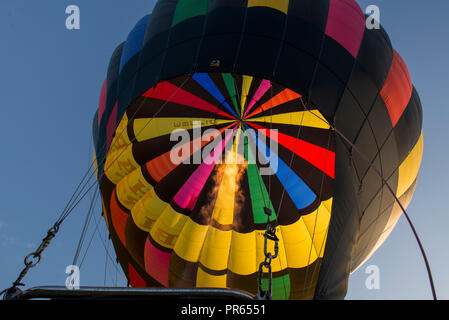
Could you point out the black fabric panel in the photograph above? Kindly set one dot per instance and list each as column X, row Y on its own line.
column 295, row 69
column 180, row 60
column 135, row 242
column 370, row 214
column 247, row 283
column 221, row 47
column 337, row 59
column 221, row 4
column 306, row 25
column 363, row 88
column 349, row 117
column 126, row 85
column 149, row 74
column 257, row 56
column 370, row 185
column 272, row 25
column 187, row 30
column 380, row 120
column 344, row 223
column 387, row 197
column 389, row 156
column 161, row 19
column 326, row 92
column 303, row 281
column 181, row 273
column 376, row 55
column 113, row 75
column 366, row 144
column 408, row 129
column 222, row 34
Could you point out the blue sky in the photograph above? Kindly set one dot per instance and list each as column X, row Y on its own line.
column 50, row 80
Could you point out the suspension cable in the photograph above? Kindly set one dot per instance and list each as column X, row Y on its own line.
column 74, row 200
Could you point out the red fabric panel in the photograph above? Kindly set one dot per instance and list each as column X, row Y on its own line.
column 157, row 263
column 135, row 280
column 119, row 218
column 346, row 24
column 102, row 103
column 397, row 89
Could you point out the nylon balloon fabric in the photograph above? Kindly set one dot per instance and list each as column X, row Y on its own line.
column 213, row 110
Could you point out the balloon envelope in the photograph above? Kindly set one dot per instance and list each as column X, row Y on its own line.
column 214, row 111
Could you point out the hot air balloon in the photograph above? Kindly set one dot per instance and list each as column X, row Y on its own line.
column 282, row 74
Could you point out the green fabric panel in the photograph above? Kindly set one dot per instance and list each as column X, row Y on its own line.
column 280, row 287
column 188, row 9
column 257, row 190
column 230, row 85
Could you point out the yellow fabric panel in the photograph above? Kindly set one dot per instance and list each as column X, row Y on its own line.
column 246, row 84
column 119, row 164
column 408, row 170
column 146, row 211
column 145, row 129
column 298, row 245
column 121, row 138
column 278, row 264
column 281, row 5
column 303, row 118
column 132, row 188
column 242, row 256
column 317, row 224
column 215, row 251
column 190, row 241
column 205, row 280
column 168, row 227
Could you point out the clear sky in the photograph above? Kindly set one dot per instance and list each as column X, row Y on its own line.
column 50, row 80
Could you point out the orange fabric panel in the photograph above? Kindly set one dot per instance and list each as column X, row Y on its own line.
column 119, row 218
column 397, row 89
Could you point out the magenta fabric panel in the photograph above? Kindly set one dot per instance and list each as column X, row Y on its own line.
column 110, row 128
column 157, row 263
column 346, row 24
